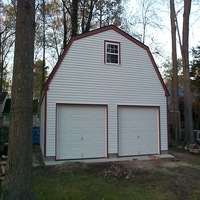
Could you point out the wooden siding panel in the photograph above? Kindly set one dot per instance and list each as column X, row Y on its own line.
column 84, row 78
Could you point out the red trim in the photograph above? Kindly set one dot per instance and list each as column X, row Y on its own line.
column 100, row 30
column 46, row 85
column 45, row 122
column 81, row 104
column 106, row 134
column 107, row 131
column 119, row 53
column 159, row 128
column 167, row 123
column 117, row 130
column 56, row 133
column 158, row 73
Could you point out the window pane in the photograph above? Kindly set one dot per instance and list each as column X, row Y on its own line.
column 109, row 58
column 112, row 51
column 6, row 118
column 112, row 58
column 108, row 48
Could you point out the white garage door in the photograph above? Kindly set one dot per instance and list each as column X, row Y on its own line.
column 81, row 131
column 138, row 130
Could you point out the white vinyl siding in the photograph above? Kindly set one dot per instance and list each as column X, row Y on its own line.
column 86, row 79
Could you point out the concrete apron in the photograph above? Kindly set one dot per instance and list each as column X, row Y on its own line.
column 103, row 160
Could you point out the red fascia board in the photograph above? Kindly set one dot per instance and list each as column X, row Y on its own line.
column 158, row 73
column 100, row 30
column 149, row 53
column 46, row 85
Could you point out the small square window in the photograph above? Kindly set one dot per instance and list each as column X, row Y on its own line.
column 112, row 52
column 6, row 119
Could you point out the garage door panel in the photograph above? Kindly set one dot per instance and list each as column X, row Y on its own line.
column 81, row 131
column 138, row 130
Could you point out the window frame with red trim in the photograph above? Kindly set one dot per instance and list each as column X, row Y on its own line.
column 112, row 52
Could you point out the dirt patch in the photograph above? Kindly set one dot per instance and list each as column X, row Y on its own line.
column 118, row 171
column 37, row 156
column 178, row 187
column 178, row 176
column 73, row 167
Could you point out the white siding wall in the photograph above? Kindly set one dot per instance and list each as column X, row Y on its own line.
column 84, row 78
column 112, row 128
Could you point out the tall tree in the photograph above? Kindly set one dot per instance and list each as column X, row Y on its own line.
column 86, row 8
column 39, row 77
column 184, row 47
column 168, row 72
column 144, row 18
column 7, row 39
column 195, row 83
column 74, row 17
column 195, row 70
column 53, row 31
column 44, row 41
column 175, row 99
column 108, row 12
column 189, row 137
column 18, row 180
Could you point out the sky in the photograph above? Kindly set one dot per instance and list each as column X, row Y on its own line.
column 163, row 36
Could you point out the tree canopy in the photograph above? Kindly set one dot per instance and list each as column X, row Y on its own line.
column 195, row 70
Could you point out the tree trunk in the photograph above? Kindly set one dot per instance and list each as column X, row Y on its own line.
column 44, row 42
column 175, row 99
column 65, row 28
column 74, row 17
column 1, row 61
column 88, row 24
column 189, row 137
column 18, row 180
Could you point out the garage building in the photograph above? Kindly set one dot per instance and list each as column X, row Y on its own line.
column 105, row 97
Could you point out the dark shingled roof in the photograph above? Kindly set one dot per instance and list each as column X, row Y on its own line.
column 7, row 106
column 6, row 109
column 2, row 96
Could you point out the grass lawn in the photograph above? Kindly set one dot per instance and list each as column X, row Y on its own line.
column 170, row 179
column 50, row 184
column 160, row 179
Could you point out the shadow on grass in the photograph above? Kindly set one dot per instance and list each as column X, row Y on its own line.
column 87, row 182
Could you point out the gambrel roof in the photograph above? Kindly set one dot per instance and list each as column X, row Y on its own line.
column 100, row 30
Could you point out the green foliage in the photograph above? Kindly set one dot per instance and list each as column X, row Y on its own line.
column 196, row 115
column 195, row 84
column 7, row 43
column 37, row 78
column 59, row 17
column 4, row 132
column 168, row 72
column 195, row 70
